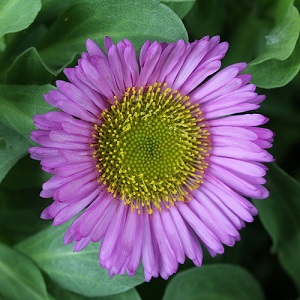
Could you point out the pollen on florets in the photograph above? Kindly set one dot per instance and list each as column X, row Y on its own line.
column 151, row 147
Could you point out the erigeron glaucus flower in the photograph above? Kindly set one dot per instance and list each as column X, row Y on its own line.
column 156, row 153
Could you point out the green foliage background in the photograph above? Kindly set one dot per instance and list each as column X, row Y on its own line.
column 39, row 38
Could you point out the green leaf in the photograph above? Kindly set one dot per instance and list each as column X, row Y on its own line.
column 217, row 282
column 20, row 212
column 18, row 179
column 276, row 73
column 281, row 41
column 16, row 44
column 280, row 61
column 18, row 104
column 28, row 68
column 78, row 272
column 16, row 15
column 14, row 146
column 129, row 295
column 211, row 18
column 180, row 7
column 118, row 19
column 2, row 143
column 52, row 8
column 280, row 216
column 20, row 279
column 280, row 106
column 64, row 294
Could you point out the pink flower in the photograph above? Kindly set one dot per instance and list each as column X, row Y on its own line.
column 156, row 153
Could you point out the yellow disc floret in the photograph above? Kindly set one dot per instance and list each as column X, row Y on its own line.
column 151, row 147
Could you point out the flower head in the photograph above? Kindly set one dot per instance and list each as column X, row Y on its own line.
column 157, row 153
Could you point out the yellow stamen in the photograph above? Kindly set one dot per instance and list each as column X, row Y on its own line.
column 152, row 147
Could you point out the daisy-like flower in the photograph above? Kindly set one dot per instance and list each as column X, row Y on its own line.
column 157, row 153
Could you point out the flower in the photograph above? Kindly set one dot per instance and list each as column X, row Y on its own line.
column 156, row 153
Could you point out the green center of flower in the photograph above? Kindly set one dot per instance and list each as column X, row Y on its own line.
column 151, row 147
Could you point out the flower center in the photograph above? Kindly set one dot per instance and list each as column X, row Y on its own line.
column 151, row 147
